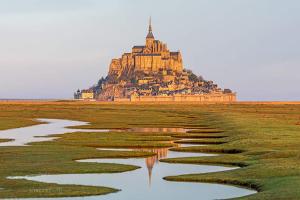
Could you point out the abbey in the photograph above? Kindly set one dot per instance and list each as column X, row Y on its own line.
column 151, row 57
column 152, row 72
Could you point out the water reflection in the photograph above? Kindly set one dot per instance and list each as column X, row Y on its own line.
column 153, row 130
column 135, row 184
column 151, row 161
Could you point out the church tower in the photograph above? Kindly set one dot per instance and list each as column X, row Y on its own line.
column 150, row 37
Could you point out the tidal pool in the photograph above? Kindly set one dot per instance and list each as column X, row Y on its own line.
column 23, row 136
column 144, row 183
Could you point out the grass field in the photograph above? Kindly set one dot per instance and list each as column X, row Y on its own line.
column 264, row 139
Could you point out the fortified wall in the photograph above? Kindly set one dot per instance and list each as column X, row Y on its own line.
column 229, row 97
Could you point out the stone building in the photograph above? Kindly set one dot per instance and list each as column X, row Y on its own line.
column 151, row 72
column 151, row 57
column 84, row 94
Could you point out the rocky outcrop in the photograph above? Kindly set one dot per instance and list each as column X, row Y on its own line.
column 152, row 70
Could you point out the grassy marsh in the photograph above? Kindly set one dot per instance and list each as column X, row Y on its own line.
column 263, row 139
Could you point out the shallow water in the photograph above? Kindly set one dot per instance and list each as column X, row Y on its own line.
column 144, row 183
column 161, row 130
column 23, row 136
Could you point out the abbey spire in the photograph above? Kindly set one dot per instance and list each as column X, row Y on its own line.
column 150, row 34
column 150, row 37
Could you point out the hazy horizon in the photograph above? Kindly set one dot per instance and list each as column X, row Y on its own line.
column 50, row 48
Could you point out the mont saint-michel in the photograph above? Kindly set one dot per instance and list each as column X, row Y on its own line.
column 151, row 72
column 159, row 119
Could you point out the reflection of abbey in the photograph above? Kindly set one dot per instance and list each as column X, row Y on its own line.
column 151, row 57
column 152, row 72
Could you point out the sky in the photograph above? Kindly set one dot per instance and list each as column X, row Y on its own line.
column 50, row 48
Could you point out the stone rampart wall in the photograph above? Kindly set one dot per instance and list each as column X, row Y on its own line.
column 230, row 97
